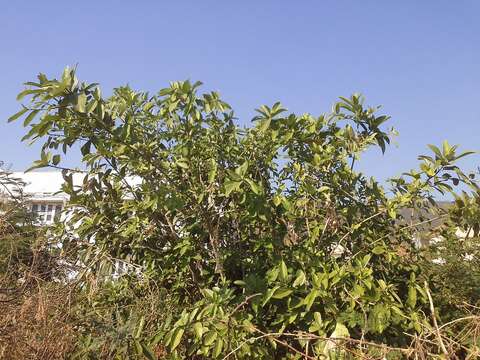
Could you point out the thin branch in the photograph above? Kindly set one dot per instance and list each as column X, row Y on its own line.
column 434, row 318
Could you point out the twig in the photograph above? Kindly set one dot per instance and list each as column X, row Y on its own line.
column 244, row 302
column 287, row 345
column 432, row 310
column 238, row 307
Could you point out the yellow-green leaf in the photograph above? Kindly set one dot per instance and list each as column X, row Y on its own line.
column 177, row 337
column 281, row 293
column 231, row 186
column 30, row 117
column 210, row 337
column 412, row 296
column 218, row 348
column 310, row 298
column 300, row 280
column 283, row 274
column 198, row 329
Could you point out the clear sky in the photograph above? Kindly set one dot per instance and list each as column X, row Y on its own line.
column 419, row 59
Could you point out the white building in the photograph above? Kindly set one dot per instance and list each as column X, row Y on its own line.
column 42, row 191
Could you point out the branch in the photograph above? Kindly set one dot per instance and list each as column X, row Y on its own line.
column 432, row 310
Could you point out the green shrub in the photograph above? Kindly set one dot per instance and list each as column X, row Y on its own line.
column 264, row 241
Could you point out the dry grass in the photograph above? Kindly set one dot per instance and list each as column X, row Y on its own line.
column 34, row 309
column 35, row 324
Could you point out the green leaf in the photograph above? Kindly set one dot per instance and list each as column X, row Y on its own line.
column 446, row 148
column 217, row 350
column 24, row 93
column 310, row 298
column 138, row 347
column 379, row 318
column 286, row 204
column 31, row 83
column 283, row 273
column 210, row 338
column 242, row 169
column 412, row 297
column 147, row 352
column 277, row 200
column 240, row 283
column 80, row 102
column 37, row 164
column 140, row 327
column 264, row 125
column 436, row 151
column 281, row 293
column 257, row 189
column 30, row 117
column 207, row 293
column 466, row 153
column 300, row 280
column 17, row 115
column 56, row 159
column 272, row 274
column 182, row 164
column 198, row 329
column 85, row 149
column 340, row 331
column 212, row 173
column 269, row 294
column 377, row 250
column 317, row 160
column 231, row 186
column 177, row 337
column 91, row 106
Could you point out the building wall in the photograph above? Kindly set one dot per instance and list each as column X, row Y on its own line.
column 42, row 192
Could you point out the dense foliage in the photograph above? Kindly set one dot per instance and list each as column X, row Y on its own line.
column 258, row 242
column 452, row 261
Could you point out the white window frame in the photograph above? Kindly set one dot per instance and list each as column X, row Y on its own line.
column 46, row 212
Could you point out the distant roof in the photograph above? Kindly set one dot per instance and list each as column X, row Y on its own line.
column 44, row 182
column 47, row 185
column 44, row 185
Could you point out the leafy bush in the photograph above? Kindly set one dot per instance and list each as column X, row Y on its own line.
column 263, row 242
column 451, row 263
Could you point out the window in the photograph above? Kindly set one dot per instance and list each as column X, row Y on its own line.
column 58, row 211
column 46, row 213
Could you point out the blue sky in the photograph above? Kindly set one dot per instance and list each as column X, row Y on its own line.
column 419, row 59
